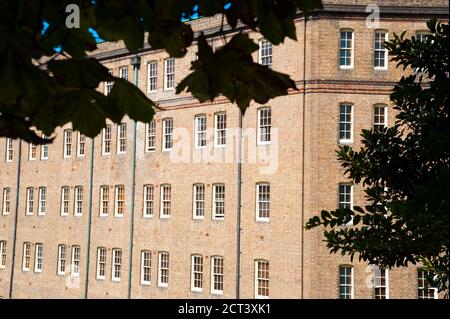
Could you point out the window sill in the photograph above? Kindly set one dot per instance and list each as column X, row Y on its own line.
column 198, row 218
column 217, row 293
column 380, row 68
column 221, row 219
column 115, row 280
column 197, row 290
column 263, row 143
column 146, row 284
column 345, row 142
column 346, row 68
column 168, row 150
column 262, row 220
column 163, row 285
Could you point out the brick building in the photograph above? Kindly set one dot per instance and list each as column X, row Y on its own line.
column 167, row 209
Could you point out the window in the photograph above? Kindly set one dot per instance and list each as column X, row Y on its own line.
column 116, row 264
column 81, row 145
column 197, row 273
column 75, row 271
column 2, row 254
column 44, row 149
column 379, row 118
column 199, row 201
column 345, row 282
column 264, row 125
column 220, row 129
column 265, row 52
column 65, row 200
column 380, row 277
column 148, row 200
column 380, row 52
column 122, row 138
column 78, row 210
column 346, row 50
column 345, row 196
column 30, row 201
column 422, row 36
column 104, row 200
column 218, row 201
column 166, row 201
column 424, row 289
column 151, row 137
column 120, row 201
column 62, row 255
column 109, row 84
column 345, row 123
column 261, row 279
column 146, row 267
column 101, row 262
column 42, row 200
column 169, row 80
column 6, row 203
column 217, row 275
column 263, row 202
column 167, row 134
column 38, row 257
column 152, row 76
column 106, row 143
column 200, row 131
column 26, row 257
column 32, row 151
column 123, row 73
column 67, row 143
column 163, row 270
column 9, row 150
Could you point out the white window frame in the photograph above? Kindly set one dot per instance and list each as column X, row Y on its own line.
column 81, row 145
column 44, row 149
column 258, row 202
column 382, row 50
column 167, row 136
column 6, row 201
column 260, row 111
column 152, row 76
column 123, row 72
column 342, row 204
column 78, row 201
column 215, row 275
column 346, row 140
column 162, row 213
column 26, row 257
column 148, row 206
column 67, row 143
column 195, row 207
column 146, row 267
column 109, row 84
column 264, row 47
column 117, row 201
column 258, row 279
column 101, row 263
column 122, row 138
column 76, row 258
column 161, row 268
column 385, row 115
column 352, row 49
column 3, row 254
column 30, row 201
column 197, row 273
column 169, row 72
column 218, row 131
column 9, row 152
column 106, row 139
column 32, row 152
column 42, row 201
column 200, row 131
column 216, row 216
column 116, row 263
column 62, row 260
column 421, row 288
column 65, row 201
column 352, row 282
column 38, row 257
column 150, row 137
column 104, row 201
column 377, row 281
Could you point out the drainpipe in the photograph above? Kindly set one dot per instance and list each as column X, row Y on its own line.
column 88, row 252
column 238, row 209
column 135, row 62
column 16, row 214
column 303, row 158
